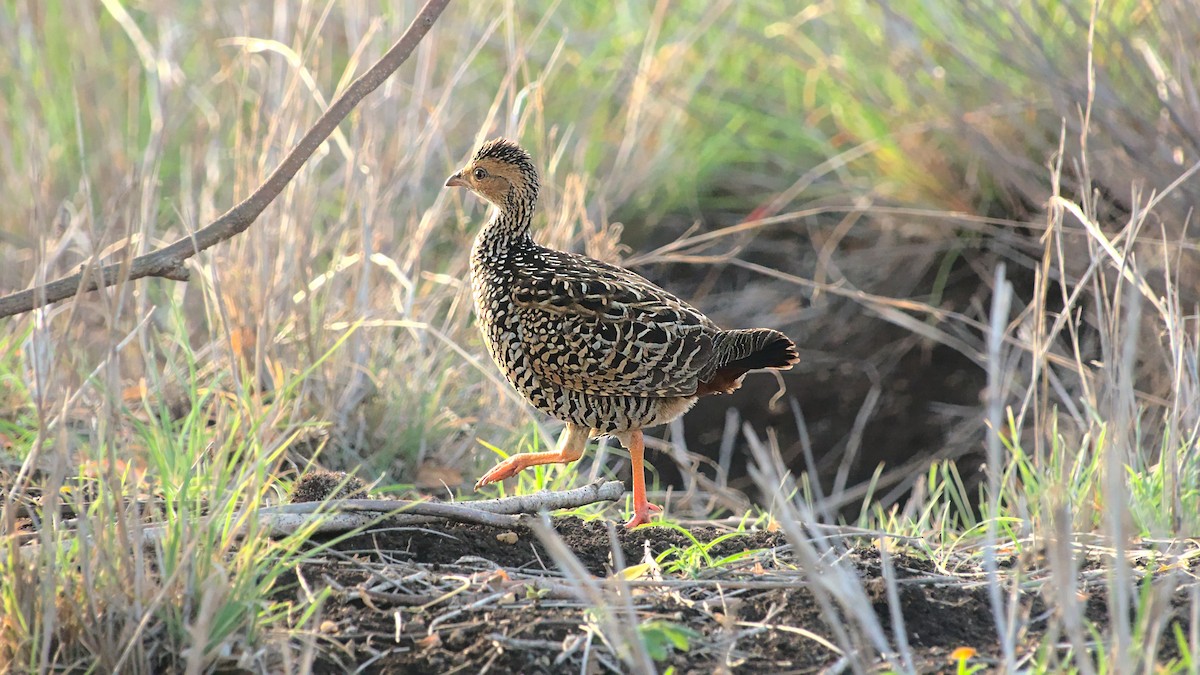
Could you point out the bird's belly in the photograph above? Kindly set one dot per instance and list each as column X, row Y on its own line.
column 606, row 414
column 611, row 414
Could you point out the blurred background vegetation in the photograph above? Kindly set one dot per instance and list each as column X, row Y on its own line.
column 910, row 142
column 849, row 172
column 908, row 146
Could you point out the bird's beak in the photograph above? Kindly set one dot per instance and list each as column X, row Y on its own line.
column 456, row 180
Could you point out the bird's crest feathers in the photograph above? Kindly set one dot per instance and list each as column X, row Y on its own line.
column 504, row 150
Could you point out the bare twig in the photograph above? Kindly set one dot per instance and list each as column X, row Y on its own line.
column 167, row 262
column 343, row 515
column 348, row 514
column 324, row 516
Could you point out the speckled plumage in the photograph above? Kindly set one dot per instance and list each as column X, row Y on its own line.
column 592, row 344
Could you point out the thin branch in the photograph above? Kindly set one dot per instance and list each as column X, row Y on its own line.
column 343, row 515
column 167, row 262
column 348, row 514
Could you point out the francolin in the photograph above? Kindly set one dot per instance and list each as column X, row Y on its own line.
column 592, row 344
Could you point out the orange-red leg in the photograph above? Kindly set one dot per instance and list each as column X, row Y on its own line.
column 641, row 507
column 570, row 448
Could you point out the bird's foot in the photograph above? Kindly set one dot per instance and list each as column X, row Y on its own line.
column 641, row 514
column 506, row 469
column 570, row 451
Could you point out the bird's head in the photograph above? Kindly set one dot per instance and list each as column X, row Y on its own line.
column 500, row 172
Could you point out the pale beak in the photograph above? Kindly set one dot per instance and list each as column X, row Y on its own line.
column 456, row 180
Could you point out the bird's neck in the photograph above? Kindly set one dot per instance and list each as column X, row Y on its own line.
column 507, row 227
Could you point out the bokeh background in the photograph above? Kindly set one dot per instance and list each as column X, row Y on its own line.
column 849, row 172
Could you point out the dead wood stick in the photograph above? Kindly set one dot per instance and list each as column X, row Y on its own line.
column 343, row 515
column 285, row 519
column 167, row 262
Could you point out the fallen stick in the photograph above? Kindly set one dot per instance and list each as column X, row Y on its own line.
column 343, row 515
column 349, row 514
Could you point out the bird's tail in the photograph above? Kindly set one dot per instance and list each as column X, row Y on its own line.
column 755, row 348
column 735, row 352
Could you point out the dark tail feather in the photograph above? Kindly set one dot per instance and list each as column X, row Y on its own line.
column 757, row 348
column 736, row 352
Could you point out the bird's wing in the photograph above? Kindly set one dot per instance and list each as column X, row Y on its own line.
column 599, row 329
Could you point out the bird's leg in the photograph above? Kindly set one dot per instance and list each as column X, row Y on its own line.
column 570, row 448
column 641, row 507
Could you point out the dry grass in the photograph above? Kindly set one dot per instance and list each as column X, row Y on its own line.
column 896, row 169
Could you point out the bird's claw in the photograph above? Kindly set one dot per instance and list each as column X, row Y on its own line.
column 506, row 469
column 641, row 514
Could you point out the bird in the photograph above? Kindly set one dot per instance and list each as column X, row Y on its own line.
column 598, row 347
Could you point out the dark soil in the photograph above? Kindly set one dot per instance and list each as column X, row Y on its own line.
column 449, row 598
column 871, row 392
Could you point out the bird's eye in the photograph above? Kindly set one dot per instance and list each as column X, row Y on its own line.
column 480, row 174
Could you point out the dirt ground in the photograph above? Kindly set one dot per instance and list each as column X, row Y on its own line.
column 456, row 598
